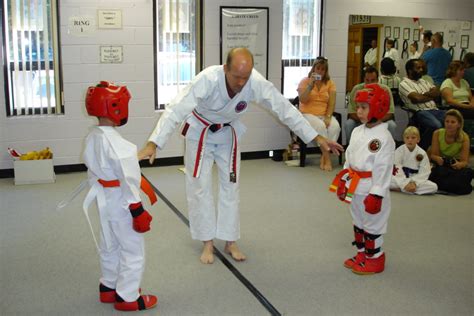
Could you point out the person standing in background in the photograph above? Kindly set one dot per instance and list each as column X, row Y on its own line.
column 437, row 59
column 392, row 52
column 370, row 57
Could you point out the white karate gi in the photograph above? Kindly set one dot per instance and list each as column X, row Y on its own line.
column 379, row 161
column 207, row 94
column 406, row 158
column 108, row 156
column 393, row 54
column 371, row 56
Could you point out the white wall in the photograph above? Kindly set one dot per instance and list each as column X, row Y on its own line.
column 64, row 134
column 81, row 68
column 336, row 25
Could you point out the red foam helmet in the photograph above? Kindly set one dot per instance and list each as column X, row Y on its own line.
column 108, row 100
column 377, row 98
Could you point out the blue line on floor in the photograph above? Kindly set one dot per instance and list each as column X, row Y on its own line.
column 262, row 299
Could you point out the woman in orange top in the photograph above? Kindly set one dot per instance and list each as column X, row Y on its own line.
column 317, row 94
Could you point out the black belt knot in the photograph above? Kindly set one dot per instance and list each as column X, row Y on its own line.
column 215, row 127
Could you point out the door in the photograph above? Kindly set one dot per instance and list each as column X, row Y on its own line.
column 359, row 39
column 353, row 56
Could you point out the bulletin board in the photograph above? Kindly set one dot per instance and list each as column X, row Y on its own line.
column 245, row 27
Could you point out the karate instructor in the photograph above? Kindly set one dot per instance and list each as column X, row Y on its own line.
column 211, row 106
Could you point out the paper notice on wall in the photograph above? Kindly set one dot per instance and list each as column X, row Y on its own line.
column 246, row 28
column 357, row 49
column 81, row 25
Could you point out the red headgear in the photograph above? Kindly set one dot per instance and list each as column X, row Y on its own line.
column 108, row 100
column 377, row 98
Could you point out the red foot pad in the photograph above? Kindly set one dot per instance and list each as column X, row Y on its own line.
column 370, row 266
column 142, row 303
column 351, row 262
column 107, row 295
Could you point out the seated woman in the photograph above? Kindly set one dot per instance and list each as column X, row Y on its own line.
column 450, row 153
column 317, row 94
column 456, row 92
column 388, row 70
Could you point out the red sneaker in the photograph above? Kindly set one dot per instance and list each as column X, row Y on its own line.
column 370, row 266
column 106, row 294
column 142, row 303
column 351, row 262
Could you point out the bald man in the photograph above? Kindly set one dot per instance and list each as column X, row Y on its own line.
column 210, row 107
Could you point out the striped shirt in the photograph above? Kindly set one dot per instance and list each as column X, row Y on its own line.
column 392, row 81
column 421, row 86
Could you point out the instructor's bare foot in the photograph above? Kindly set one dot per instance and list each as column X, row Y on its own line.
column 207, row 256
column 232, row 249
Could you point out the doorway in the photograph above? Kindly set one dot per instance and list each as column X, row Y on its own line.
column 359, row 42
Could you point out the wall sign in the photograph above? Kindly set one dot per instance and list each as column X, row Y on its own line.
column 245, row 27
column 360, row 19
column 109, row 19
column 111, row 54
column 81, row 25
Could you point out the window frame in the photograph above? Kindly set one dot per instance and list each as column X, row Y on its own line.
column 199, row 44
column 55, row 65
column 303, row 62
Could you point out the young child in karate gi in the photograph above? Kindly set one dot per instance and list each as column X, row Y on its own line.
column 412, row 166
column 115, row 177
column 365, row 180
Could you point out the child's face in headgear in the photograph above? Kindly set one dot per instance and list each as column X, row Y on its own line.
column 362, row 111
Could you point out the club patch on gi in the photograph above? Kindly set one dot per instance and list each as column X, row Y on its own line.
column 419, row 157
column 374, row 145
column 242, row 105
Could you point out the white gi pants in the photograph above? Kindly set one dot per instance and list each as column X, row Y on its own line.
column 123, row 262
column 426, row 187
column 375, row 224
column 202, row 216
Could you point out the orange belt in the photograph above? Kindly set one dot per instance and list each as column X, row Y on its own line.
column 144, row 185
column 354, row 176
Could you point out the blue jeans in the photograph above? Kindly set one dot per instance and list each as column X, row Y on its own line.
column 428, row 121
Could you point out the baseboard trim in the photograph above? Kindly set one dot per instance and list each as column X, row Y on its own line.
column 169, row 161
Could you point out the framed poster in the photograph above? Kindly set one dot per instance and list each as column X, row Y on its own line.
column 388, row 32
column 416, row 35
column 465, row 41
column 406, row 33
column 248, row 27
column 396, row 32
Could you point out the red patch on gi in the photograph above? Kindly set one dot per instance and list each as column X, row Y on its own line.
column 374, row 145
column 242, row 105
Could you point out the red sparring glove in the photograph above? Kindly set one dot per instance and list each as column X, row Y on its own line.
column 141, row 218
column 341, row 191
column 373, row 203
